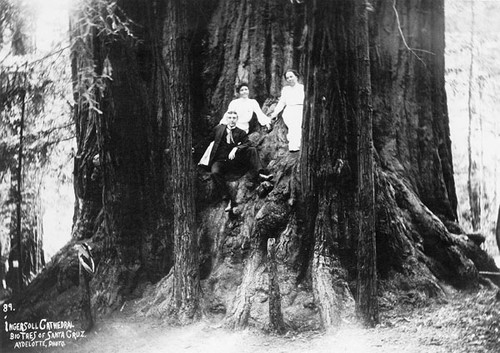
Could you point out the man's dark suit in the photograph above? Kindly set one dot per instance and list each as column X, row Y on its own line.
column 240, row 138
column 246, row 159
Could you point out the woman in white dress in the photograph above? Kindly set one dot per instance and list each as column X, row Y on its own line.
column 292, row 100
column 246, row 107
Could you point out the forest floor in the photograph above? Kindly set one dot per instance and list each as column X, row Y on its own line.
column 463, row 322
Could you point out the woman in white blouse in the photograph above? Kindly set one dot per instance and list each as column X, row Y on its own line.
column 292, row 100
column 246, row 107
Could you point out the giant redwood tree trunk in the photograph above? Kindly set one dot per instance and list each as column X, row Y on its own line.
column 186, row 280
column 337, row 158
column 326, row 210
column 367, row 289
column 411, row 129
column 413, row 184
column 121, row 169
column 411, row 132
column 134, row 172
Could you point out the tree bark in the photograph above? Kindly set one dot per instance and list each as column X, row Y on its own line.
column 19, row 198
column 121, row 166
column 239, row 314
column 410, row 120
column 366, row 294
column 179, row 112
column 329, row 155
column 88, row 192
column 86, row 317
column 275, row 315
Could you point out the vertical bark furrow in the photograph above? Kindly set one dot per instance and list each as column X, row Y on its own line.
column 179, row 112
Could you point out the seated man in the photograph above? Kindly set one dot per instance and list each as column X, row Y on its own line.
column 232, row 153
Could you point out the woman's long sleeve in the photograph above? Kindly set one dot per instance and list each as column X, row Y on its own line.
column 261, row 117
column 281, row 103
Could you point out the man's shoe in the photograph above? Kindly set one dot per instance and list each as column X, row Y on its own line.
column 229, row 207
column 266, row 177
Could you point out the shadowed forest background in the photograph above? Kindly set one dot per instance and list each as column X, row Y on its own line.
column 106, row 106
